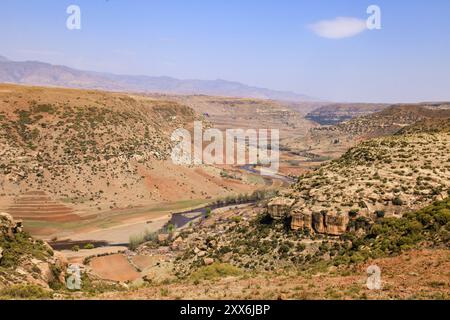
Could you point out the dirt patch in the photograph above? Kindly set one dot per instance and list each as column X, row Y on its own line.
column 143, row 262
column 419, row 274
column 115, row 267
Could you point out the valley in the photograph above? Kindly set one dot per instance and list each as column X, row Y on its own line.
column 89, row 172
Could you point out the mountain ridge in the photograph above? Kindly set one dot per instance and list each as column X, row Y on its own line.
column 42, row 73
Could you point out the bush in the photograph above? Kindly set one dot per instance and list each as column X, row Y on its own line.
column 89, row 246
column 216, row 270
column 353, row 213
column 136, row 241
column 397, row 202
column 171, row 228
column 76, row 248
column 380, row 213
column 18, row 246
column 24, row 292
column 392, row 235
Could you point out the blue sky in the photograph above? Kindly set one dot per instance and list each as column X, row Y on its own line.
column 267, row 43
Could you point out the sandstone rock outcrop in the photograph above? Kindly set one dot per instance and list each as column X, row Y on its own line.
column 319, row 222
column 336, row 224
column 280, row 207
column 301, row 219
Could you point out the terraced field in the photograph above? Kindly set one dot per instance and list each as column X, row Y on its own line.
column 38, row 206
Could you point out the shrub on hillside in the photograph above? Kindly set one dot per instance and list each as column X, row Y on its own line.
column 216, row 270
column 392, row 235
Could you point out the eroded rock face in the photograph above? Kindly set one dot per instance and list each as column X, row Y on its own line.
column 319, row 222
column 336, row 224
column 301, row 219
column 280, row 207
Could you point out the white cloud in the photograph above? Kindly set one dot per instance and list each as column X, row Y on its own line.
column 339, row 28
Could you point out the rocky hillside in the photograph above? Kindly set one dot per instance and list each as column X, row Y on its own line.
column 245, row 113
column 248, row 241
column 384, row 176
column 26, row 261
column 80, row 145
column 333, row 114
column 389, row 121
column 334, row 140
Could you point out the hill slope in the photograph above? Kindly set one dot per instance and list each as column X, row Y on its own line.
column 335, row 140
column 70, row 152
column 387, row 175
column 333, row 114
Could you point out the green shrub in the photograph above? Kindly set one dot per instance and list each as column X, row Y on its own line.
column 392, row 235
column 136, row 241
column 89, row 246
column 14, row 248
column 353, row 213
column 216, row 270
column 380, row 213
column 25, row 292
column 397, row 202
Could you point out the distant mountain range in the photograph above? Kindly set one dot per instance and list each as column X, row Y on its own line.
column 45, row 74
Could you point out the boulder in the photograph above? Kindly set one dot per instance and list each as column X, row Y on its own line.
column 163, row 237
column 9, row 227
column 212, row 243
column 177, row 243
column 208, row 261
column 6, row 220
column 201, row 254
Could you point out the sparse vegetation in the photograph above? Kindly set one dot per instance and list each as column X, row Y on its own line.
column 216, row 270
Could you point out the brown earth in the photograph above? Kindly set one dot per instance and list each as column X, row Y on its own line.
column 88, row 153
column 418, row 274
column 37, row 205
column 114, row 267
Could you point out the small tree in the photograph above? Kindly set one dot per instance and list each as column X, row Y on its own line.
column 380, row 213
column 397, row 201
column 170, row 227
column 353, row 213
